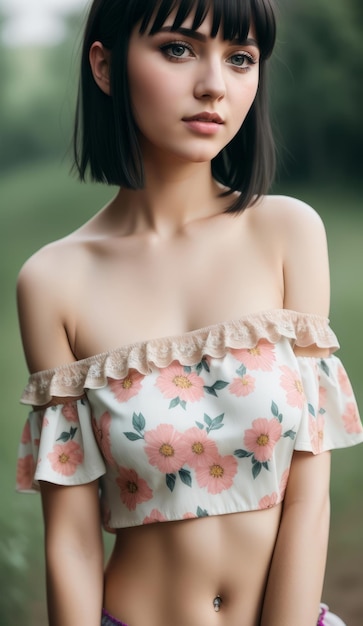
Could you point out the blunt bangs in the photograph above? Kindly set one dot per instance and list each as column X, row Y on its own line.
column 105, row 134
column 233, row 18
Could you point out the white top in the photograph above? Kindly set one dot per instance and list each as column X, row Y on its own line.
column 201, row 424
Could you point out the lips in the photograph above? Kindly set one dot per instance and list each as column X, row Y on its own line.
column 213, row 118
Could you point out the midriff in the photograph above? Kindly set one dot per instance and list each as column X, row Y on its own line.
column 168, row 573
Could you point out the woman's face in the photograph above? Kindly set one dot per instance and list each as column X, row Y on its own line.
column 190, row 93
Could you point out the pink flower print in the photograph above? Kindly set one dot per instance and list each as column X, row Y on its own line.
column 133, row 489
column 101, row 430
column 267, row 502
column 199, row 449
column 262, row 438
column 344, row 381
column 25, row 472
column 126, row 388
column 261, row 357
column 283, row 483
column 65, row 458
column 189, row 516
column 174, row 382
column 26, row 434
column 70, row 412
column 45, row 422
column 155, row 516
column 165, row 448
column 242, row 386
column 292, row 384
column 218, row 475
column 316, row 432
column 351, row 419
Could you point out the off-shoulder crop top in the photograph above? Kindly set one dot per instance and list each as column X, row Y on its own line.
column 201, row 424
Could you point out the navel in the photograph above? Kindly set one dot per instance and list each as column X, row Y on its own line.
column 217, row 603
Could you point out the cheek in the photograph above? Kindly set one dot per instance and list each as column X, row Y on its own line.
column 150, row 93
column 244, row 98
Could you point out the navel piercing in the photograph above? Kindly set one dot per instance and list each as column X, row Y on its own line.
column 217, row 603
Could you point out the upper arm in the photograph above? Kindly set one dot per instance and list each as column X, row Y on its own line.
column 305, row 259
column 304, row 254
column 72, row 511
column 309, row 479
column 42, row 309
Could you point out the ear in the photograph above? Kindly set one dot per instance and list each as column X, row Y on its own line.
column 100, row 58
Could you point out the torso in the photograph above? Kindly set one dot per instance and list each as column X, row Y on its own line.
column 169, row 573
column 143, row 287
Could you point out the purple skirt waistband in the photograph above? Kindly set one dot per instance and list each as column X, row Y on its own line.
column 109, row 620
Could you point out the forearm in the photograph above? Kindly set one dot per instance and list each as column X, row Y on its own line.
column 74, row 586
column 74, row 554
column 297, row 570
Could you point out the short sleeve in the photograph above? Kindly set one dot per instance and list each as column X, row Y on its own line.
column 330, row 414
column 58, row 445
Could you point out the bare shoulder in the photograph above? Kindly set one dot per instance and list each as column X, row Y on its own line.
column 45, row 290
column 287, row 215
column 299, row 237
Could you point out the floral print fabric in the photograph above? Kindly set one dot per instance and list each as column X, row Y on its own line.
column 184, row 441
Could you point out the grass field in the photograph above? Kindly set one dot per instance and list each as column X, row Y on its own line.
column 43, row 203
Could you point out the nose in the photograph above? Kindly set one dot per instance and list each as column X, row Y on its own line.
column 210, row 82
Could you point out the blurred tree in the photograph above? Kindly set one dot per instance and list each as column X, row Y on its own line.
column 317, row 90
column 37, row 98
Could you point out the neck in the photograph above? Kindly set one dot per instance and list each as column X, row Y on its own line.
column 173, row 196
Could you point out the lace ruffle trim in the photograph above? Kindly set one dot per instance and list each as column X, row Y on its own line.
column 302, row 329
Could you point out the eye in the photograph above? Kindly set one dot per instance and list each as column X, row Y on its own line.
column 242, row 60
column 177, row 50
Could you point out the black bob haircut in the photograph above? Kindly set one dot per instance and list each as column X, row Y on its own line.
column 105, row 135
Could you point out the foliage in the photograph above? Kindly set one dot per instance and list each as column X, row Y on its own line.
column 316, row 87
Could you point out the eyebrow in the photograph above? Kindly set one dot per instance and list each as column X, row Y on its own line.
column 193, row 34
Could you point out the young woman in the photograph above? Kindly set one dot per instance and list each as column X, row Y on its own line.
column 178, row 343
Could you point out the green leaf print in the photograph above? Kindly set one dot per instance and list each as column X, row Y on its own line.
column 242, row 454
column 173, row 403
column 256, row 469
column 218, row 386
column 138, row 422
column 170, row 481
column 216, row 423
column 133, row 436
column 324, row 367
column 202, row 512
column 176, row 402
column 201, row 426
column 187, row 369
column 275, row 412
column 311, row 410
column 64, row 437
column 185, row 477
column 242, row 371
column 203, row 365
column 256, row 465
column 290, row 433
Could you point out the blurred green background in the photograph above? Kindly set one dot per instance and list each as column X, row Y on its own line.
column 316, row 98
